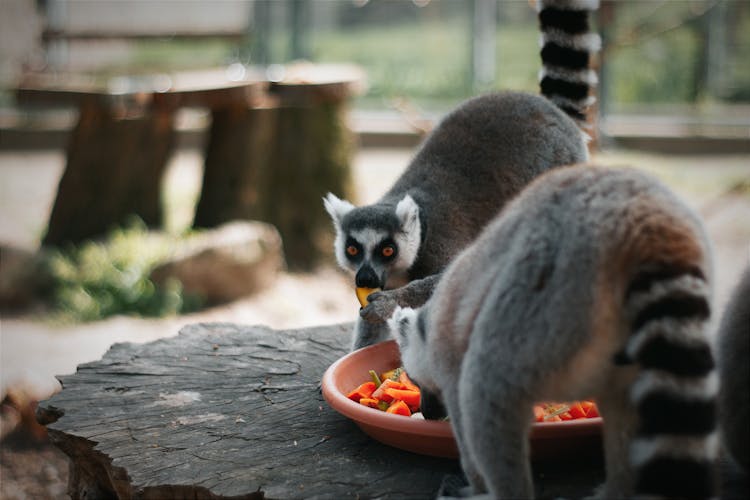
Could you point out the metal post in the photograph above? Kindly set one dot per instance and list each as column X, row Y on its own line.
column 483, row 28
column 260, row 53
column 300, row 29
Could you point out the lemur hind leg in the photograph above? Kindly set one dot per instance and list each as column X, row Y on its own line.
column 496, row 432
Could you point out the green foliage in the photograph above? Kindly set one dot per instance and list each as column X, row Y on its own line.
column 656, row 53
column 428, row 61
column 167, row 55
column 657, row 71
column 100, row 279
column 416, row 60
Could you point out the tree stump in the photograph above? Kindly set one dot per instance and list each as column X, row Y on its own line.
column 230, row 411
column 116, row 161
column 236, row 152
column 224, row 411
column 310, row 156
column 276, row 162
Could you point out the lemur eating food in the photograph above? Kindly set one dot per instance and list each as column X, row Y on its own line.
column 479, row 157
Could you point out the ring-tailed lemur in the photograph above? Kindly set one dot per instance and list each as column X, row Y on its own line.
column 479, row 157
column 734, row 372
column 592, row 283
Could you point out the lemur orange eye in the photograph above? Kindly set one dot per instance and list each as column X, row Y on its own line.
column 352, row 250
column 388, row 251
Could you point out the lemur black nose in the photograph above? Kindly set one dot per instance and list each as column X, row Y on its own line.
column 366, row 277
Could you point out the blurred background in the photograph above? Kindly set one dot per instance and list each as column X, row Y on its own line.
column 144, row 141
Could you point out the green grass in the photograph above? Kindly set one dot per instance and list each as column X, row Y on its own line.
column 427, row 62
column 97, row 279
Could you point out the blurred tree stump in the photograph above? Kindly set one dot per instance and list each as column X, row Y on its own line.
column 276, row 164
column 311, row 155
column 274, row 150
column 236, row 151
column 115, row 163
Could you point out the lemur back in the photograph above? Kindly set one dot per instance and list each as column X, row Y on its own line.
column 479, row 157
column 592, row 283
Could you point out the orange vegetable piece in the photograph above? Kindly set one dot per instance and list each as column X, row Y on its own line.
column 387, row 384
column 404, row 379
column 371, row 402
column 363, row 391
column 538, row 413
column 590, row 408
column 399, row 408
column 577, row 411
column 411, row 398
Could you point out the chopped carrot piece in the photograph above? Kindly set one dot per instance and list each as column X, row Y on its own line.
column 577, row 411
column 590, row 408
column 363, row 391
column 387, row 383
column 411, row 398
column 538, row 413
column 399, row 408
column 371, row 402
column 404, row 379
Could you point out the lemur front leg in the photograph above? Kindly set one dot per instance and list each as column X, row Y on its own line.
column 366, row 333
column 382, row 304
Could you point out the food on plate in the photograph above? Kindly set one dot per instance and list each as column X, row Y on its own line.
column 558, row 412
column 393, row 392
column 363, row 292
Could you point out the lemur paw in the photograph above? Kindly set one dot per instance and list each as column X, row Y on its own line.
column 381, row 307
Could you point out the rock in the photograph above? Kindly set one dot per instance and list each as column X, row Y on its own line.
column 236, row 259
column 21, row 277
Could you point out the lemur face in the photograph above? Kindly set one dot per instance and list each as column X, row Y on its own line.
column 378, row 243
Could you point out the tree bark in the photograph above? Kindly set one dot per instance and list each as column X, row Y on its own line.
column 224, row 411
column 114, row 170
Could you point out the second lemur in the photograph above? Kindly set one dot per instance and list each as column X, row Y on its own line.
column 592, row 283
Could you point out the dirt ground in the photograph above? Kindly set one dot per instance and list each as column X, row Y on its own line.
column 33, row 351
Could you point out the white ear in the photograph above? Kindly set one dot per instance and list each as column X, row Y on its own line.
column 407, row 212
column 400, row 323
column 336, row 208
column 410, row 237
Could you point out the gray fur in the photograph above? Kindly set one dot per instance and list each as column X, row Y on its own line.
column 540, row 306
column 479, row 157
column 734, row 371
column 475, row 161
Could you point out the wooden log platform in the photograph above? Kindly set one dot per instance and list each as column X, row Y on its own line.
column 230, row 411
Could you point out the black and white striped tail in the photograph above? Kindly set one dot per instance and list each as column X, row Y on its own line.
column 676, row 389
column 567, row 43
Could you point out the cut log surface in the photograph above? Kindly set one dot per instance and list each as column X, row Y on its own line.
column 224, row 411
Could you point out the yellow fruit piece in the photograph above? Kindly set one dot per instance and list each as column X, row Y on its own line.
column 363, row 292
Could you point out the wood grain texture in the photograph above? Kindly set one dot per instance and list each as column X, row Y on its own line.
column 224, row 411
